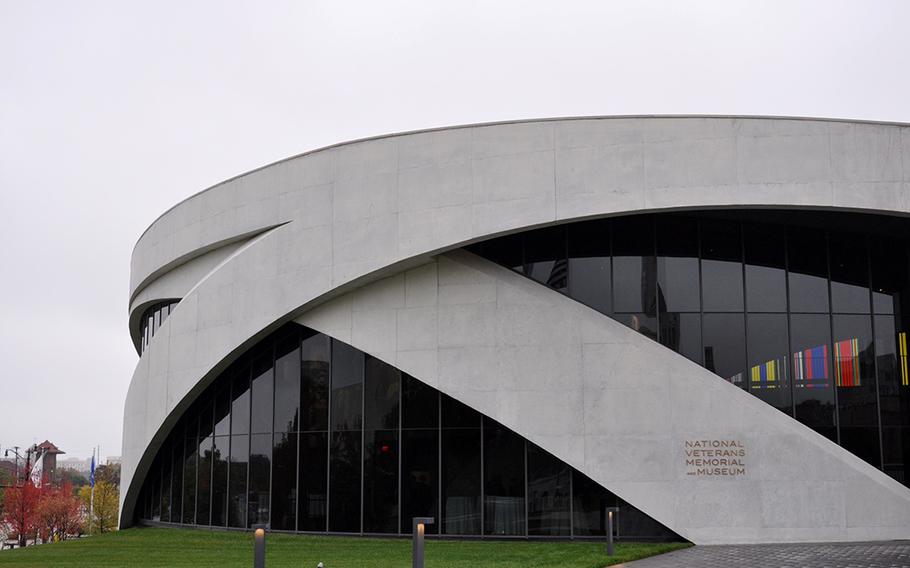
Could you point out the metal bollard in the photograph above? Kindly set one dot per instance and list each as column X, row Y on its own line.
column 419, row 528
column 610, row 511
column 259, row 546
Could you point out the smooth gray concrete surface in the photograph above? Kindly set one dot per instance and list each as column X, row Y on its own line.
column 614, row 404
column 328, row 222
column 893, row 554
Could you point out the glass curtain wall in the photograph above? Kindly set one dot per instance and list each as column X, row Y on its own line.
column 808, row 311
column 307, row 434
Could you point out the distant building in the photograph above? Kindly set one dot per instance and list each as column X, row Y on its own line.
column 75, row 464
column 48, row 452
column 113, row 460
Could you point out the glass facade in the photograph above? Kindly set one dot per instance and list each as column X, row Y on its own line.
column 808, row 311
column 306, row 433
column 151, row 320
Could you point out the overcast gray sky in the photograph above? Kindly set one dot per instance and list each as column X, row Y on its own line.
column 111, row 112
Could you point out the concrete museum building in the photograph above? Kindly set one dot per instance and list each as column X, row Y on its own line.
column 509, row 327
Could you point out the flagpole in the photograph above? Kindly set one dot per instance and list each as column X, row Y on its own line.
column 91, row 507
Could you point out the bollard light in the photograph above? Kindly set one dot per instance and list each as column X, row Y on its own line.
column 419, row 524
column 610, row 512
column 259, row 546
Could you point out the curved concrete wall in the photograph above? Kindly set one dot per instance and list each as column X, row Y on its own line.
column 339, row 218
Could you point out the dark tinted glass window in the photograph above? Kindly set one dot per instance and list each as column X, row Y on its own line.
column 220, row 453
column 590, row 279
column 287, row 384
column 545, row 257
column 260, row 476
column 166, row 486
column 642, row 323
column 807, row 256
column 204, row 481
column 344, row 471
column 223, row 411
column 458, row 415
column 189, row 477
column 380, row 481
column 240, row 403
column 677, row 265
column 854, row 370
column 239, row 464
column 849, row 273
column 813, row 393
column 721, row 266
column 347, row 387
column 503, row 480
column 419, row 404
column 177, row 481
column 682, row 333
column 262, row 394
column 634, row 266
column 893, row 373
column 890, row 280
column 725, row 346
column 896, row 452
column 314, row 462
column 769, row 360
column 766, row 277
column 506, row 251
column 314, row 383
column 589, row 503
column 419, row 476
column 381, row 385
column 461, row 481
column 548, row 494
column 284, row 481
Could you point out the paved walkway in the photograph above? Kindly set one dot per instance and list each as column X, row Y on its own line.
column 893, row 554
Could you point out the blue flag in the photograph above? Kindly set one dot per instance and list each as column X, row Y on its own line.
column 91, row 475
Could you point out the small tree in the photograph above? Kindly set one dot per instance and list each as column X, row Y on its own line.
column 59, row 513
column 106, row 508
column 19, row 510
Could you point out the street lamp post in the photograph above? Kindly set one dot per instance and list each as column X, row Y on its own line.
column 610, row 511
column 419, row 529
column 259, row 546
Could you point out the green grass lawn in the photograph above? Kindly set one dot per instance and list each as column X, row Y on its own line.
column 147, row 547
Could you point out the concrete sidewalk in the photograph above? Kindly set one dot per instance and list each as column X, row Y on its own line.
column 890, row 554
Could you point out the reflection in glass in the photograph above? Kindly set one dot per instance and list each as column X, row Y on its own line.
column 204, row 481
column 642, row 323
column 344, row 491
column 284, row 481
column 314, row 382
column 287, row 384
column 503, row 480
column 590, row 266
column 766, row 278
column 262, row 394
column 813, row 395
column 548, row 494
column 677, row 265
column 314, row 462
column 347, row 387
column 260, row 473
column 589, row 501
column 240, row 402
column 721, row 266
column 725, row 346
column 807, row 255
column 220, row 453
column 769, row 362
column 682, row 333
column 189, row 477
column 634, row 266
column 380, row 481
column 849, row 273
column 237, row 475
column 545, row 257
column 461, row 481
column 381, row 385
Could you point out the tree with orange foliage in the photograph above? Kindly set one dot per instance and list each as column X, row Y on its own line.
column 59, row 513
column 19, row 510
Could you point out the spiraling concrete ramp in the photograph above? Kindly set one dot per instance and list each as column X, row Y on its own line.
column 265, row 247
column 617, row 406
